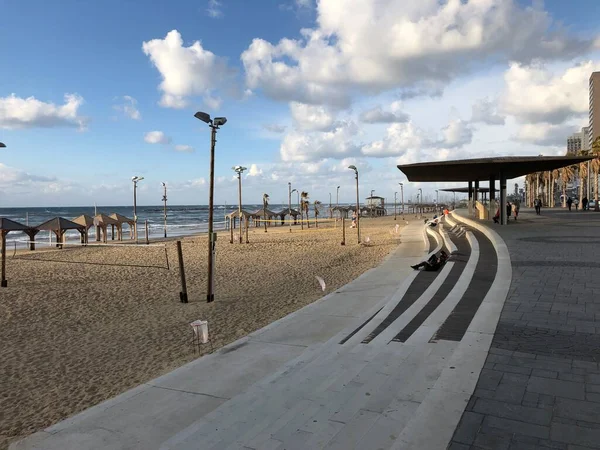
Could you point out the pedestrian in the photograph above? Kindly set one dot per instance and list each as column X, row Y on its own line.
column 537, row 206
column 497, row 216
column 569, row 202
column 515, row 210
column 353, row 220
column 584, row 203
column 576, row 201
column 508, row 210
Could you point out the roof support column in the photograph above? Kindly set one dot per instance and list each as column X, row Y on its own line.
column 470, row 198
column 476, row 197
column 503, row 217
column 492, row 196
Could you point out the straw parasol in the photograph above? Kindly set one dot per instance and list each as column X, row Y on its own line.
column 6, row 226
column 87, row 222
column 59, row 226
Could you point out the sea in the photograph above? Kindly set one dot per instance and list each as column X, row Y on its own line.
column 181, row 220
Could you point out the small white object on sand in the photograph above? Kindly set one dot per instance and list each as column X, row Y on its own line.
column 321, row 282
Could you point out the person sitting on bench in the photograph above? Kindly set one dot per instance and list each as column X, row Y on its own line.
column 434, row 263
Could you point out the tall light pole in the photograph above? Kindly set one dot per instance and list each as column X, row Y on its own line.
column 2, row 145
column 290, row 203
column 212, row 237
column 330, row 210
column 239, row 170
column 420, row 202
column 337, row 197
column 165, row 205
column 437, row 197
column 395, row 193
column 357, row 201
column 402, row 196
column 135, row 180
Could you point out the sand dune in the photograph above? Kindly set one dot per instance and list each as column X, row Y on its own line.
column 75, row 331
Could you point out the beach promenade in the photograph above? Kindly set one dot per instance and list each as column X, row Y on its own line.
column 378, row 363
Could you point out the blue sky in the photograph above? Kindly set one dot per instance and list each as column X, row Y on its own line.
column 334, row 102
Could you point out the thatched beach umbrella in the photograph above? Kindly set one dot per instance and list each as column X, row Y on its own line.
column 6, row 226
column 87, row 222
column 121, row 220
column 101, row 222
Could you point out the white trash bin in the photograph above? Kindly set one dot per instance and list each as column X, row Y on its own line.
column 200, row 328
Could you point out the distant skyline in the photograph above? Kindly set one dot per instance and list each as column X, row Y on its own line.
column 92, row 93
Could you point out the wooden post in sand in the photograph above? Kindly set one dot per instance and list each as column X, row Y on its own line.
column 183, row 297
column 343, row 230
column 3, row 282
column 231, row 231
column 246, row 222
column 147, row 240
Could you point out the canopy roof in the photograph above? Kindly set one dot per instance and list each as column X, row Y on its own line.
column 236, row 213
column 102, row 220
column 466, row 189
column 122, row 219
column 485, row 168
column 260, row 212
column 85, row 220
column 287, row 211
column 58, row 224
column 11, row 225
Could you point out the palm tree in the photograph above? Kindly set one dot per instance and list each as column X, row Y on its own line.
column 582, row 178
column 529, row 179
column 596, row 170
column 304, row 206
column 265, row 204
column 316, row 204
column 554, row 176
column 566, row 175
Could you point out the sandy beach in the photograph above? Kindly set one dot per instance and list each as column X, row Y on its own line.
column 81, row 325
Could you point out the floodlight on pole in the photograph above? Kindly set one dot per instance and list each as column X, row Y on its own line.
column 357, row 201
column 420, row 202
column 164, row 199
column 239, row 170
column 395, row 210
column 135, row 180
column 212, row 237
column 402, row 195
column 2, row 145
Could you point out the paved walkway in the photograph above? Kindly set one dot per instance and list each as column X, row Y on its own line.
column 378, row 364
column 540, row 387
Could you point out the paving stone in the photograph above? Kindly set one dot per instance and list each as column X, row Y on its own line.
column 510, row 393
column 573, row 434
column 592, row 397
column 511, row 411
column 492, row 441
column 571, row 377
column 503, row 359
column 558, row 388
column 544, row 373
column 457, row 446
column 577, row 410
column 489, row 379
column 468, row 428
column 512, row 369
column 513, row 426
column 592, row 378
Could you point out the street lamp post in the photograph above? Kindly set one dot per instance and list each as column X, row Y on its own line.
column 395, row 194
column 357, row 202
column 290, row 203
column 165, row 205
column 402, row 196
column 437, row 198
column 420, row 202
column 212, row 238
column 239, row 170
column 330, row 210
column 135, row 180
column 2, row 145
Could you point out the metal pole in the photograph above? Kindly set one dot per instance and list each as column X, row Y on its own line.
column 3, row 282
column 395, row 194
column 290, row 204
column 402, row 196
column 165, row 207
column 357, row 209
column 330, row 210
column 240, row 202
column 183, row 297
column 135, row 211
column 210, row 296
column 147, row 234
column 343, row 230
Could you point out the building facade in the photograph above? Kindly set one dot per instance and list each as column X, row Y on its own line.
column 594, row 115
column 574, row 143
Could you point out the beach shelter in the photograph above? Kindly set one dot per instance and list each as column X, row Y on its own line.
column 232, row 216
column 101, row 222
column 6, row 226
column 59, row 226
column 259, row 215
column 288, row 212
column 120, row 221
column 87, row 222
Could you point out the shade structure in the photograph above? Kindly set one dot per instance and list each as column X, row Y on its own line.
column 101, row 222
column 120, row 221
column 486, row 168
column 6, row 226
column 59, row 226
column 87, row 222
column 464, row 190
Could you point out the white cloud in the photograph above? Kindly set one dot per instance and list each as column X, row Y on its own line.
column 254, row 171
column 17, row 112
column 184, row 148
column 457, row 134
column 376, row 45
column 378, row 115
column 11, row 177
column 534, row 94
column 545, row 134
column 399, row 138
column 308, row 147
column 310, row 117
column 304, row 3
column 486, row 111
column 186, row 71
column 157, row 137
column 214, row 9
column 129, row 108
column 275, row 128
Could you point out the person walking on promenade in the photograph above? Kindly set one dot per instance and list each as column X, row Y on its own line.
column 515, row 210
column 576, row 201
column 584, row 203
column 569, row 202
column 508, row 210
column 537, row 203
